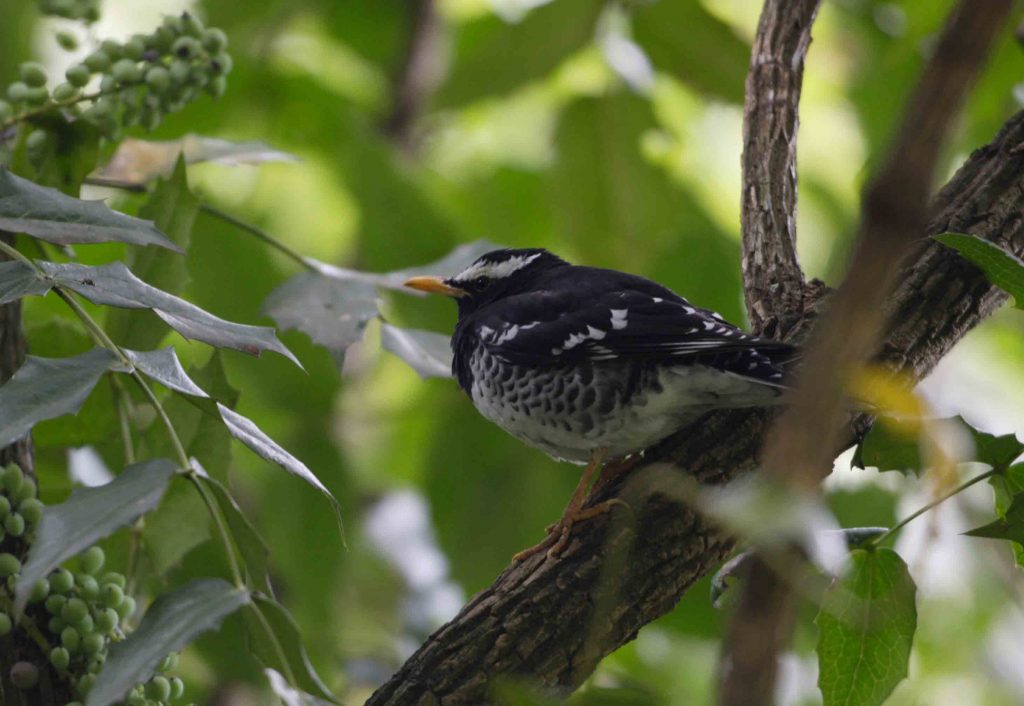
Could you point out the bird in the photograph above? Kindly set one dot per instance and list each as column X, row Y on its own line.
column 592, row 365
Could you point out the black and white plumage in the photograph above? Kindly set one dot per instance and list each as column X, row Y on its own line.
column 576, row 360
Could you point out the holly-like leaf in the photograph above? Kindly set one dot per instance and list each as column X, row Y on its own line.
column 1010, row 526
column 428, row 353
column 267, row 614
column 115, row 285
column 173, row 209
column 246, row 431
column 889, row 446
column 177, row 526
column 44, row 388
column 89, row 515
column 333, row 312
column 251, row 545
column 1002, row 268
column 171, row 623
column 164, row 367
column 18, row 280
column 47, row 214
column 866, row 629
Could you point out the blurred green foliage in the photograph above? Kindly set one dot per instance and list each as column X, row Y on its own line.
column 531, row 139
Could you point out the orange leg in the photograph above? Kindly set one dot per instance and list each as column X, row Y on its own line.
column 558, row 533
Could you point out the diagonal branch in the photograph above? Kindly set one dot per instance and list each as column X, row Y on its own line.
column 773, row 280
column 541, row 619
column 804, row 439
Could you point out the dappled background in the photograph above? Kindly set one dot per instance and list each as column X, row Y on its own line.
column 607, row 133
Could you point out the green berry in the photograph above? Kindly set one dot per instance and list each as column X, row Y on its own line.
column 61, row 581
column 5, row 504
column 112, row 49
column 217, row 86
column 185, row 47
column 108, row 84
column 106, row 621
column 32, row 73
column 35, row 97
column 221, row 64
column 126, row 71
column 24, row 675
column 115, row 578
column 5, row 623
column 179, row 71
column 17, row 92
column 74, row 610
column 162, row 39
column 126, row 608
column 93, row 643
column 55, row 625
column 136, row 700
column 85, row 683
column 112, row 595
column 54, row 602
column 191, row 25
column 158, row 688
column 169, row 663
column 88, row 587
column 60, row 657
column 177, row 688
column 28, row 486
column 14, row 524
column 97, row 61
column 36, row 140
column 13, row 476
column 91, row 560
column 9, row 564
column 158, row 79
column 214, row 40
column 70, row 638
column 85, row 625
column 135, row 48
column 40, row 590
column 78, row 75
column 65, row 93
column 67, row 41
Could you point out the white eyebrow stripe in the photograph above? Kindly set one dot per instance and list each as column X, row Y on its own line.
column 495, row 270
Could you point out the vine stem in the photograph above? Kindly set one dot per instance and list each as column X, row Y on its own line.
column 222, row 529
column 52, row 105
column 258, row 232
column 938, row 501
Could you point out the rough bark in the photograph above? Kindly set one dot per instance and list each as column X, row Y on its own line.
column 552, row 620
column 772, row 278
column 12, row 354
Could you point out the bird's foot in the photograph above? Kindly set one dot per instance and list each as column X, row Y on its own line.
column 557, row 536
column 613, row 470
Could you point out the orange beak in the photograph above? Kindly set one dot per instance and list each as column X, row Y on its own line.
column 434, row 285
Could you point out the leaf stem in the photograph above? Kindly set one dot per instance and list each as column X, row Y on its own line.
column 121, row 402
column 920, row 511
column 258, row 232
column 222, row 530
column 278, row 648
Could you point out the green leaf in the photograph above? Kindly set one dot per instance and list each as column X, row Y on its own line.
column 265, row 613
column 173, row 209
column 997, row 451
column 428, row 353
column 115, row 285
column 332, row 312
column 866, row 629
column 44, row 388
column 252, row 546
column 1002, row 268
column 1010, row 526
column 711, row 58
column 246, row 431
column 888, row 446
column 164, row 367
column 18, row 280
column 171, row 623
column 177, row 526
column 47, row 214
column 89, row 515
column 288, row 695
column 494, row 57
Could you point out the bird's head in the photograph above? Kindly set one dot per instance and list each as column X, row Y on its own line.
column 492, row 276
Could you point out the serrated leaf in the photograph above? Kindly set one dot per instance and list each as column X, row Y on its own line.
column 246, row 431
column 428, row 353
column 273, row 616
column 252, row 547
column 164, row 367
column 47, row 214
column 997, row 451
column 114, row 284
column 173, row 208
column 288, row 695
column 332, row 312
column 1010, row 526
column 171, row 623
column 889, row 446
column 1002, row 268
column 89, row 515
column 866, row 629
column 177, row 526
column 139, row 161
column 18, row 280
column 44, row 388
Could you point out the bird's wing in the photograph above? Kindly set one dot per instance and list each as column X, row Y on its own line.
column 540, row 329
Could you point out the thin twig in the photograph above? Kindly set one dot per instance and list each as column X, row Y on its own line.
column 418, row 76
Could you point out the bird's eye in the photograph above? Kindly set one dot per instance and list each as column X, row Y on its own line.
column 481, row 282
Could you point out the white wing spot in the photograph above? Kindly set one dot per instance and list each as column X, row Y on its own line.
column 709, row 325
column 595, row 333
column 619, row 318
column 486, row 333
column 657, row 300
column 508, row 334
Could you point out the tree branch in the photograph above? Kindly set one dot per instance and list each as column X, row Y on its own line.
column 802, row 442
column 540, row 619
column 419, row 74
column 773, row 280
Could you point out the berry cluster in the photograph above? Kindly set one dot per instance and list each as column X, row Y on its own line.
column 86, row 10
column 77, row 613
column 139, row 81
